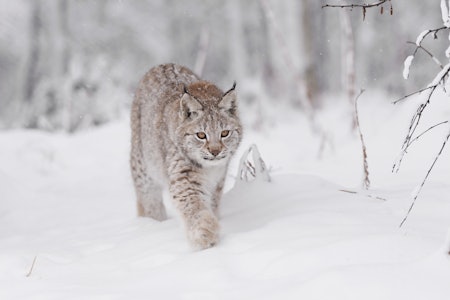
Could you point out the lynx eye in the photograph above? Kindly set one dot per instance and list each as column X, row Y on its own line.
column 201, row 135
column 225, row 133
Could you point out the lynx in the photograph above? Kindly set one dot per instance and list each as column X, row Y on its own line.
column 184, row 132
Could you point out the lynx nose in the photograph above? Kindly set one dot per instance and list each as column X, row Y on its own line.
column 214, row 151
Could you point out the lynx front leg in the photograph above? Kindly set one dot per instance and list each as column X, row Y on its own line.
column 201, row 224
column 216, row 197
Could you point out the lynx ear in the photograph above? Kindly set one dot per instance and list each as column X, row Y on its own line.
column 189, row 106
column 228, row 102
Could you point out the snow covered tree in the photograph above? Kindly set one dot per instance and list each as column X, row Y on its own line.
column 440, row 81
column 76, row 64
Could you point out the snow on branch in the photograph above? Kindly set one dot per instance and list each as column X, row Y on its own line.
column 445, row 10
column 440, row 80
column 407, row 66
column 418, row 43
column 252, row 167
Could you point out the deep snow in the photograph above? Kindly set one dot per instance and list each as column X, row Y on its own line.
column 68, row 203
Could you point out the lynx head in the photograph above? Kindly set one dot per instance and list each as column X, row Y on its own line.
column 210, row 130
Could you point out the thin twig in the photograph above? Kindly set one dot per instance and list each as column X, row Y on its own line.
column 32, row 267
column 362, row 5
column 407, row 141
column 434, row 58
column 425, row 179
column 412, row 94
column 366, row 182
column 367, row 195
column 433, row 31
column 348, row 191
column 418, row 44
column 425, row 131
column 415, row 120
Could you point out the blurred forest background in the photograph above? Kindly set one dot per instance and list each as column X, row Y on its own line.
column 69, row 65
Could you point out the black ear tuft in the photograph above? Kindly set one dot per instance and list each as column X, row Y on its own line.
column 228, row 102
column 232, row 89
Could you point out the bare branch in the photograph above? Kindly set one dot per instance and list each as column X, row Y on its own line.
column 415, row 120
column 425, row 179
column 412, row 94
column 412, row 128
column 431, row 127
column 362, row 5
column 408, row 144
column 364, row 194
column 32, row 267
column 434, row 58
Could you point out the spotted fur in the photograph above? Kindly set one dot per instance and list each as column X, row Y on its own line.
column 184, row 132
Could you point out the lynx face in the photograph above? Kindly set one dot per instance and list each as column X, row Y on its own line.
column 212, row 144
column 210, row 131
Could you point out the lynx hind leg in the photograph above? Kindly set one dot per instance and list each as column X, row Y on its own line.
column 150, row 201
column 148, row 192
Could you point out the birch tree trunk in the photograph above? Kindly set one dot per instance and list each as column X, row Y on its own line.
column 309, row 48
column 32, row 73
column 237, row 49
column 348, row 60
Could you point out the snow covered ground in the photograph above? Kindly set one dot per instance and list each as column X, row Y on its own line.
column 66, row 203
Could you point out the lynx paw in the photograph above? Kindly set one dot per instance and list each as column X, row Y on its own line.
column 203, row 232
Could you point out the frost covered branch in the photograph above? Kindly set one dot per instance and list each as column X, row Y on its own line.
column 418, row 44
column 415, row 120
column 252, row 167
column 441, row 79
